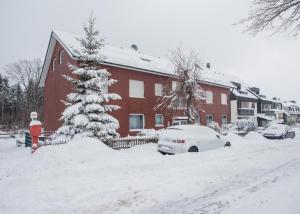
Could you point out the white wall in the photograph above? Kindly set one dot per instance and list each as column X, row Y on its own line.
column 233, row 106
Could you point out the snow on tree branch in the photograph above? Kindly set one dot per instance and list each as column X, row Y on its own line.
column 187, row 92
column 87, row 109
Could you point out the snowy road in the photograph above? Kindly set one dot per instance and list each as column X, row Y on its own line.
column 255, row 175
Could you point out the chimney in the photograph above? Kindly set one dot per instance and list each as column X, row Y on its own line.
column 134, row 47
column 208, row 65
column 255, row 90
column 237, row 85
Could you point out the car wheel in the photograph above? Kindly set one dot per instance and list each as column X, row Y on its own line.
column 163, row 153
column 293, row 135
column 227, row 144
column 193, row 149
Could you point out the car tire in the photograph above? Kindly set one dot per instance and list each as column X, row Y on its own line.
column 163, row 153
column 293, row 136
column 193, row 149
column 227, row 144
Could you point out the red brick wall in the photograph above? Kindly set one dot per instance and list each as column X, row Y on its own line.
column 56, row 89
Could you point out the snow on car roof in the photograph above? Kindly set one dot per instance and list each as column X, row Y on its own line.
column 138, row 60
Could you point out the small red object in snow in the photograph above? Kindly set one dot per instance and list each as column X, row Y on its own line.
column 35, row 132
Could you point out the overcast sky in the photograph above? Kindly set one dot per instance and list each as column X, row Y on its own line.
column 157, row 27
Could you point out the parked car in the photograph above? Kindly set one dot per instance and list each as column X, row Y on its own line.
column 189, row 138
column 278, row 131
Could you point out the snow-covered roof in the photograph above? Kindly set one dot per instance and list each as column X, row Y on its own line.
column 265, row 117
column 128, row 58
column 243, row 92
column 290, row 104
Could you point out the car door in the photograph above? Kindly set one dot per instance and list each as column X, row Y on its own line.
column 209, row 139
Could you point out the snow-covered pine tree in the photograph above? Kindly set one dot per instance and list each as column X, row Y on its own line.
column 188, row 91
column 87, row 109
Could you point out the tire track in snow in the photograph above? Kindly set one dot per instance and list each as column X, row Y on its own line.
column 237, row 186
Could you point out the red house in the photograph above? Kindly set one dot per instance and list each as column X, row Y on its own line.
column 140, row 78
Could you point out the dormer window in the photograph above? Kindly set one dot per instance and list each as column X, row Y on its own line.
column 53, row 64
column 61, row 57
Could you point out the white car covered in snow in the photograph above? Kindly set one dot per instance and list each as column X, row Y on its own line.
column 278, row 131
column 189, row 138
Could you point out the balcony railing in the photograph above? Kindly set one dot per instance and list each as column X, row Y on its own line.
column 243, row 111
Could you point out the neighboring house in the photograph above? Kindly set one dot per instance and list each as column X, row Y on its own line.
column 141, row 80
column 269, row 109
column 243, row 103
column 277, row 113
column 293, row 109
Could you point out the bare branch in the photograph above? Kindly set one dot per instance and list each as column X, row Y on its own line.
column 188, row 91
column 275, row 15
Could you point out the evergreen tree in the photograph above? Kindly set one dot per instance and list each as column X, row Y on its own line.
column 87, row 108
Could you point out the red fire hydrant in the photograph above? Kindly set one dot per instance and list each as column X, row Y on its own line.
column 35, row 131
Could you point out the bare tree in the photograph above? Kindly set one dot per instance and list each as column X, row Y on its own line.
column 187, row 91
column 24, row 71
column 275, row 15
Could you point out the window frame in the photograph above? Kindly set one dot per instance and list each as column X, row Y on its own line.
column 174, row 85
column 211, row 101
column 224, row 97
column 136, row 114
column 207, row 115
column 222, row 119
column 155, row 89
column 130, row 91
column 162, row 124
column 61, row 57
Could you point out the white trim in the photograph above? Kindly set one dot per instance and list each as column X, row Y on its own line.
column 53, row 64
column 212, row 97
column 136, row 130
column 61, row 57
column 160, row 94
column 131, row 93
column 223, row 95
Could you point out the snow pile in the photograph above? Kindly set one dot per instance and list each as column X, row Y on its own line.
column 255, row 136
column 85, row 176
column 235, row 139
column 79, row 149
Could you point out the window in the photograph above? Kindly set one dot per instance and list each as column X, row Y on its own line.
column 209, row 97
column 224, row 119
column 61, row 57
column 244, row 105
column 209, row 118
column 176, row 122
column 136, row 88
column 158, row 89
column 159, row 120
column 224, row 99
column 179, row 103
column 253, row 105
column 53, row 64
column 136, row 122
column 174, row 85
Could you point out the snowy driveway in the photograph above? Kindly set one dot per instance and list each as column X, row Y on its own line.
column 255, row 175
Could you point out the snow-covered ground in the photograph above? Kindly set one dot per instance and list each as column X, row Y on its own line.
column 255, row 175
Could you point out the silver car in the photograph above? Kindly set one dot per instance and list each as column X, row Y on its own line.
column 278, row 131
column 189, row 138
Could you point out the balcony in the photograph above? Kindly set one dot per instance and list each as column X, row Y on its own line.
column 245, row 111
